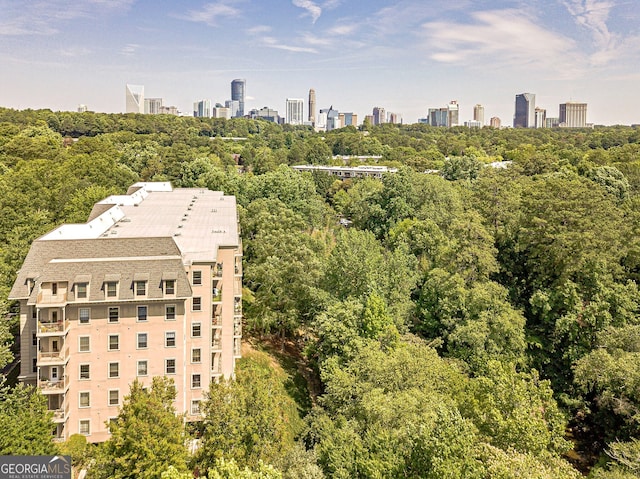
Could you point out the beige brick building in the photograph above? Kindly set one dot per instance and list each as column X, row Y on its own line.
column 151, row 285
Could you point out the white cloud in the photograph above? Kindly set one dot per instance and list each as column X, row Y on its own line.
column 313, row 9
column 211, row 13
column 258, row 29
column 502, row 37
column 72, row 52
column 47, row 17
column 274, row 43
column 129, row 49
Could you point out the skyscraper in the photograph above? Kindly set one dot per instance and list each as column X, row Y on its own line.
column 541, row 117
column 134, row 98
column 153, row 106
column 202, row 109
column 295, row 111
column 453, row 113
column 478, row 114
column 312, row 106
column 525, row 116
column 379, row 116
column 238, row 92
column 573, row 115
column 495, row 122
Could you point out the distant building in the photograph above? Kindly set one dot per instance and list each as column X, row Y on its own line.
column 552, row 122
column 150, row 286
column 329, row 118
column 453, row 113
column 346, row 172
column 473, row 124
column 369, row 119
column 438, row 116
column 294, row 112
column 169, row 110
column 312, row 106
column 350, row 119
column 153, row 106
column 393, row 118
column 525, row 115
column 238, row 93
column 233, row 106
column 265, row 113
column 220, row 111
column 541, row 118
column 573, row 115
column 134, row 99
column 495, row 122
column 202, row 109
column 478, row 114
column 379, row 116
column 82, row 108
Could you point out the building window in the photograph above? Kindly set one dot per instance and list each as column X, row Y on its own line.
column 142, row 313
column 114, row 370
column 197, row 304
column 196, row 381
column 34, row 365
column 84, row 344
column 196, row 330
column 196, row 355
column 170, row 366
column 170, row 312
column 54, row 289
column 85, row 371
column 114, row 314
column 170, row 286
column 143, row 368
column 142, row 341
column 114, row 397
column 84, row 427
column 140, row 288
column 170, row 339
column 34, row 339
column 111, row 289
column 81, row 290
column 85, row 399
column 195, row 406
column 84, row 315
column 114, row 342
column 197, row 277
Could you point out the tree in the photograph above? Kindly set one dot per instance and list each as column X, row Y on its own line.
column 25, row 421
column 249, row 420
column 146, row 438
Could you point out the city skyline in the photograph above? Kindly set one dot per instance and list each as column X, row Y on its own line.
column 404, row 56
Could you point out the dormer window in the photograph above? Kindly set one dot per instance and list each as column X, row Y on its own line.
column 54, row 289
column 170, row 286
column 140, row 288
column 81, row 290
column 111, row 289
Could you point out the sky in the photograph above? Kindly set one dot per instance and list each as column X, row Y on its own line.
column 405, row 56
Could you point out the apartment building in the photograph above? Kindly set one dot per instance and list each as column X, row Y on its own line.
column 149, row 286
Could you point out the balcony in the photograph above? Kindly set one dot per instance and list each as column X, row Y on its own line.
column 54, row 328
column 56, row 386
column 237, row 329
column 216, row 344
column 51, row 358
column 216, row 321
column 58, row 415
column 45, row 297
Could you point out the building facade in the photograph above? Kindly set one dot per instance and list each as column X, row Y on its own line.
column 134, row 99
column 312, row 106
column 149, row 286
column 202, row 109
column 573, row 115
column 295, row 111
column 525, row 115
column 541, row 118
column 153, row 106
column 238, row 93
column 379, row 115
column 478, row 114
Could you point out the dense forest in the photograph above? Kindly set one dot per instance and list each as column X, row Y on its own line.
column 477, row 322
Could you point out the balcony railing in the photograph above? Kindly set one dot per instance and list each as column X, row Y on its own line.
column 51, row 327
column 51, row 356
column 216, row 344
column 58, row 415
column 47, row 297
column 52, row 386
column 216, row 320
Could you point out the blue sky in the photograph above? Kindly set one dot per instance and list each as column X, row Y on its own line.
column 405, row 56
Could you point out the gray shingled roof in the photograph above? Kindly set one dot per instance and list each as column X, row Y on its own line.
column 104, row 259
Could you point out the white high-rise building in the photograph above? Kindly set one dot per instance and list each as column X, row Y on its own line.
column 573, row 114
column 134, row 98
column 153, row 106
column 295, row 111
column 202, row 109
column 453, row 111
